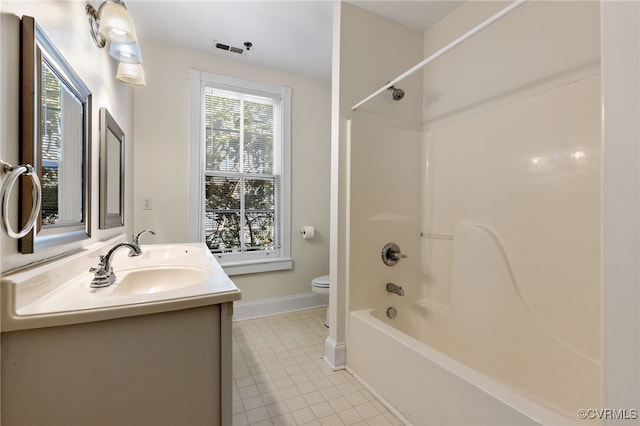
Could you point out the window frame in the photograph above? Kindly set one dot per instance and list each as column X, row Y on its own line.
column 254, row 261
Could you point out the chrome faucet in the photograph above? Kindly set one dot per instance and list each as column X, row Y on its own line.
column 393, row 288
column 136, row 239
column 104, row 275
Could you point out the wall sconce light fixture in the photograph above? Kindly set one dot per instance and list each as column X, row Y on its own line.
column 112, row 23
column 131, row 74
column 127, row 53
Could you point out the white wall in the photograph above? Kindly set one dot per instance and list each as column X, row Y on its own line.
column 161, row 157
column 66, row 25
column 621, row 206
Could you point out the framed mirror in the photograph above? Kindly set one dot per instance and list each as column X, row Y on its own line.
column 111, row 172
column 55, row 138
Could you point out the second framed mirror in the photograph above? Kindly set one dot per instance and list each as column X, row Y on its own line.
column 111, row 172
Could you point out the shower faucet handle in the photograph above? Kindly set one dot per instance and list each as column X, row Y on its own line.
column 391, row 254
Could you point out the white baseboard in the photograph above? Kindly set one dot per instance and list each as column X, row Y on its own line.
column 335, row 354
column 277, row 305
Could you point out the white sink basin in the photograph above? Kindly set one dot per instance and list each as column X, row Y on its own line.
column 164, row 277
column 160, row 279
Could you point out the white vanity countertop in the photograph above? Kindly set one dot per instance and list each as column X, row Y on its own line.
column 166, row 277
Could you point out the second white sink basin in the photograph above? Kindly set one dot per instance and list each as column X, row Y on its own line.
column 159, row 279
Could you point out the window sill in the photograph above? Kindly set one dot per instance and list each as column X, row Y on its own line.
column 256, row 266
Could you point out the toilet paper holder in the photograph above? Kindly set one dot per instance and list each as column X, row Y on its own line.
column 307, row 232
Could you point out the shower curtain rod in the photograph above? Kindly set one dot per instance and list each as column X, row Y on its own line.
column 513, row 6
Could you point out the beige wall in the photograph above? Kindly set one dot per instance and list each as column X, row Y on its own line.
column 368, row 52
column 66, row 25
column 535, row 180
column 374, row 51
column 384, row 207
column 538, row 47
column 161, row 159
column 530, row 173
column 521, row 154
column 512, row 144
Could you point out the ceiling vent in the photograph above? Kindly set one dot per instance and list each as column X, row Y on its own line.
column 233, row 49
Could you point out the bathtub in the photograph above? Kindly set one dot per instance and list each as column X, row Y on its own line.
column 427, row 387
column 486, row 356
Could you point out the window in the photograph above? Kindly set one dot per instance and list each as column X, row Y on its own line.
column 240, row 172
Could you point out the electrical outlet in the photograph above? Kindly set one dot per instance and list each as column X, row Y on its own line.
column 146, row 204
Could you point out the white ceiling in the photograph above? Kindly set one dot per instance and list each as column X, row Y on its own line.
column 415, row 14
column 294, row 36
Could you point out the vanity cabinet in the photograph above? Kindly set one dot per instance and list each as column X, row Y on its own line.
column 166, row 368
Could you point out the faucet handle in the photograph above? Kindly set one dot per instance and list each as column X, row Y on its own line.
column 391, row 254
column 100, row 265
column 99, row 270
column 396, row 255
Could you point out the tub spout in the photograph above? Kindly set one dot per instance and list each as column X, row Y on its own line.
column 393, row 288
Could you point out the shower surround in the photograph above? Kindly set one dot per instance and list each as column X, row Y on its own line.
column 496, row 203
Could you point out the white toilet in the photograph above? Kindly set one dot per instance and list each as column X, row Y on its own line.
column 320, row 285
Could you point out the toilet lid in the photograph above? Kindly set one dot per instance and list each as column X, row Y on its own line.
column 322, row 281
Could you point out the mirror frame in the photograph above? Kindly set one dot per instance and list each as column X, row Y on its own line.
column 109, row 124
column 36, row 47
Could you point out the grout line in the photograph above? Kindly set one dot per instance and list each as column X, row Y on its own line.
column 293, row 385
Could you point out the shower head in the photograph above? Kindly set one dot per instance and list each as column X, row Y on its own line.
column 396, row 93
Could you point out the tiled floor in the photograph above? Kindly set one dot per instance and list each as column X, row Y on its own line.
column 280, row 378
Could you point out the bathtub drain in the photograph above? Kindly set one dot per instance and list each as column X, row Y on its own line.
column 392, row 312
